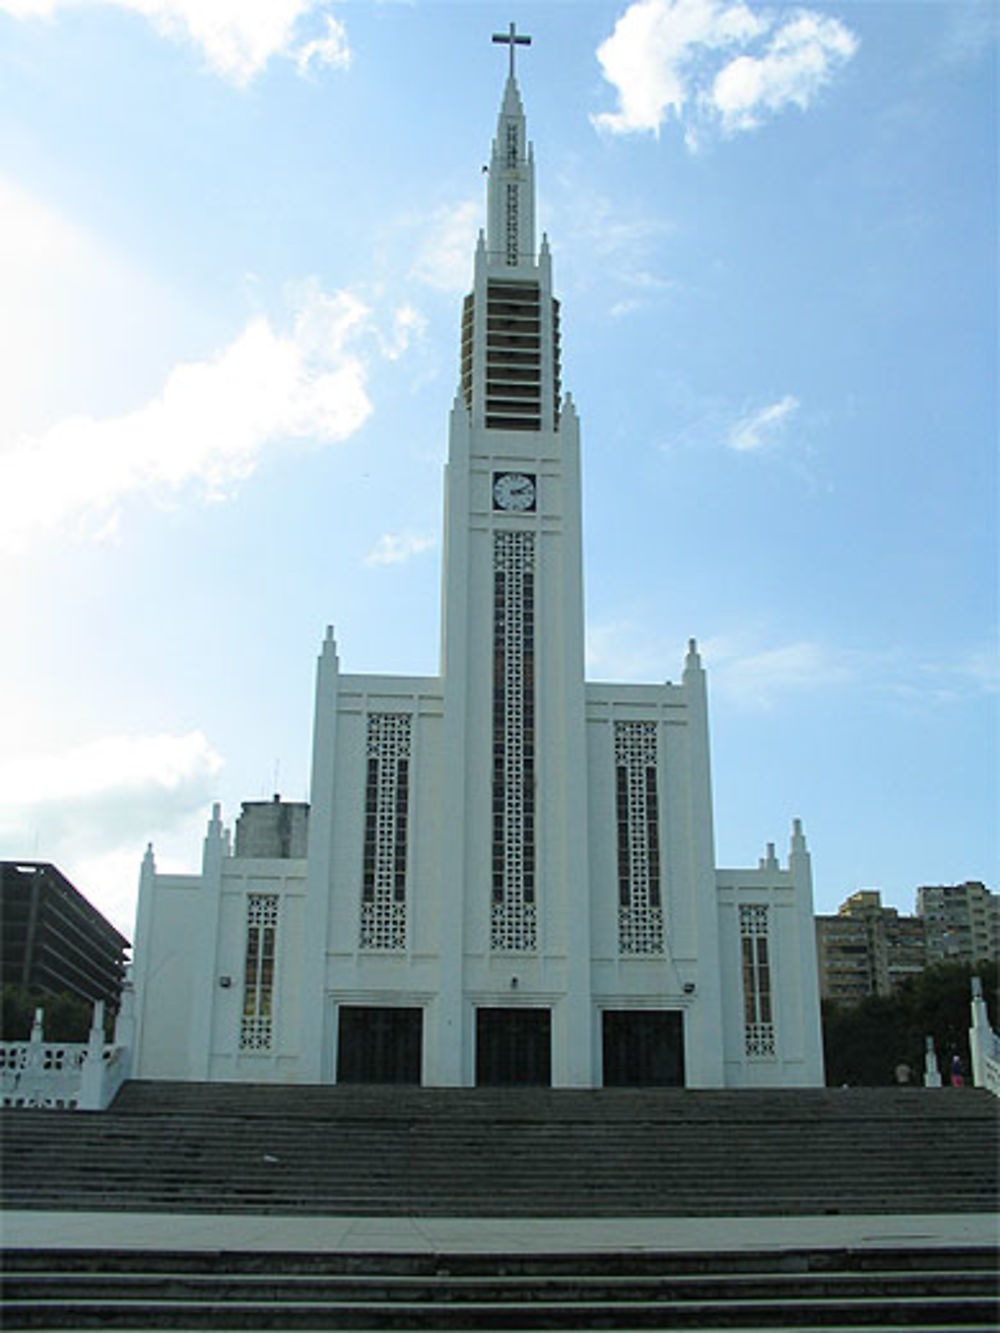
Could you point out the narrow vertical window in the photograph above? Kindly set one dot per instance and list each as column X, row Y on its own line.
column 637, row 816
column 513, row 223
column 511, row 146
column 387, row 811
column 758, row 1015
column 256, row 1026
column 514, row 919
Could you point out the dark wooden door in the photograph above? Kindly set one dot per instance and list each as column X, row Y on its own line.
column 513, row 1046
column 379, row 1044
column 643, row 1048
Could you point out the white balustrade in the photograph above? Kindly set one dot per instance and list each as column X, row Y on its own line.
column 984, row 1044
column 72, row 1076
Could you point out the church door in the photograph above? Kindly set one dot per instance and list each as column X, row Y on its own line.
column 513, row 1046
column 643, row 1048
column 378, row 1045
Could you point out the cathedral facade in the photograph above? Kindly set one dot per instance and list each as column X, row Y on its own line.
column 505, row 873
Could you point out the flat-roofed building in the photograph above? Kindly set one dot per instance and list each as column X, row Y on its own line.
column 845, row 963
column 867, row 949
column 962, row 922
column 52, row 939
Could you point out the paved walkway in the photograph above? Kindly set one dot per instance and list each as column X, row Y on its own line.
column 443, row 1235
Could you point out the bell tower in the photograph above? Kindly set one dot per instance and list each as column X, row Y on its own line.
column 515, row 753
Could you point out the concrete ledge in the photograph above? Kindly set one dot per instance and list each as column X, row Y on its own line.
column 442, row 1235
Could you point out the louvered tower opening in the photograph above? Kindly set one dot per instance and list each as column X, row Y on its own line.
column 513, row 355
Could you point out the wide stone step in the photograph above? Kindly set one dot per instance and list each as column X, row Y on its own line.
column 289, row 1288
column 946, row 1290
column 471, row 1152
column 897, row 1313
column 145, row 1096
column 877, row 1260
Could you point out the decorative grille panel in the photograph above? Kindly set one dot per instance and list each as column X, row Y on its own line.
column 758, row 1015
column 513, row 222
column 640, row 912
column 256, row 1025
column 511, row 162
column 514, row 918
column 387, row 809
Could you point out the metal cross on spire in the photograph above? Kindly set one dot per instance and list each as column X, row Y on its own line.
column 511, row 39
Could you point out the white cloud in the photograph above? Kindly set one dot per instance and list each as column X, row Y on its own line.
column 760, row 428
column 963, row 675
column 971, row 33
column 407, row 324
column 97, row 795
column 209, row 424
column 332, row 49
column 609, row 242
column 739, row 671
column 623, row 650
column 448, row 241
column 397, row 548
column 755, row 678
column 798, row 61
column 675, row 58
column 981, row 668
column 237, row 37
column 649, row 54
column 110, row 880
column 75, row 317
column 90, row 809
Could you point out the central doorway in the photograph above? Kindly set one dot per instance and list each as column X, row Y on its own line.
column 513, row 1047
column 378, row 1044
column 643, row 1048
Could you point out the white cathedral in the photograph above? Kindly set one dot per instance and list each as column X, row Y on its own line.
column 506, row 873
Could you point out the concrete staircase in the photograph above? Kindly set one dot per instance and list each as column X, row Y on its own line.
column 801, row 1289
column 402, row 1151
column 310, row 1152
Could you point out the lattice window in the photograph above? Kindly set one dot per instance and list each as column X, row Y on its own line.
column 256, row 1026
column 511, row 144
column 640, row 910
column 758, row 1014
column 513, row 222
column 514, row 917
column 387, row 810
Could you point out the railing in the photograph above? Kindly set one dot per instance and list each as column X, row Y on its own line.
column 984, row 1044
column 37, row 1073
column 71, row 1076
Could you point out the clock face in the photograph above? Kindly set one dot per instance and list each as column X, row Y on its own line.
column 514, row 490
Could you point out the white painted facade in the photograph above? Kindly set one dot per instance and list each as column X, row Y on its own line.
column 506, row 836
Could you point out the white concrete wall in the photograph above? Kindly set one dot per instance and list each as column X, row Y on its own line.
column 351, row 975
column 164, row 975
column 286, row 879
column 685, row 977
column 187, row 1017
column 798, row 1060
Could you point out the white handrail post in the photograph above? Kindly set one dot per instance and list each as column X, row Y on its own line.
column 932, row 1075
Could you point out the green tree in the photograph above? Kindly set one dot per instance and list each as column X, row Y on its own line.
column 863, row 1043
column 67, row 1017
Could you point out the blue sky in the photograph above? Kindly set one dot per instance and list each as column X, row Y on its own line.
column 233, row 242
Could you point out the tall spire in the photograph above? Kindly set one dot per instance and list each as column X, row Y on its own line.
column 510, row 320
column 510, row 229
